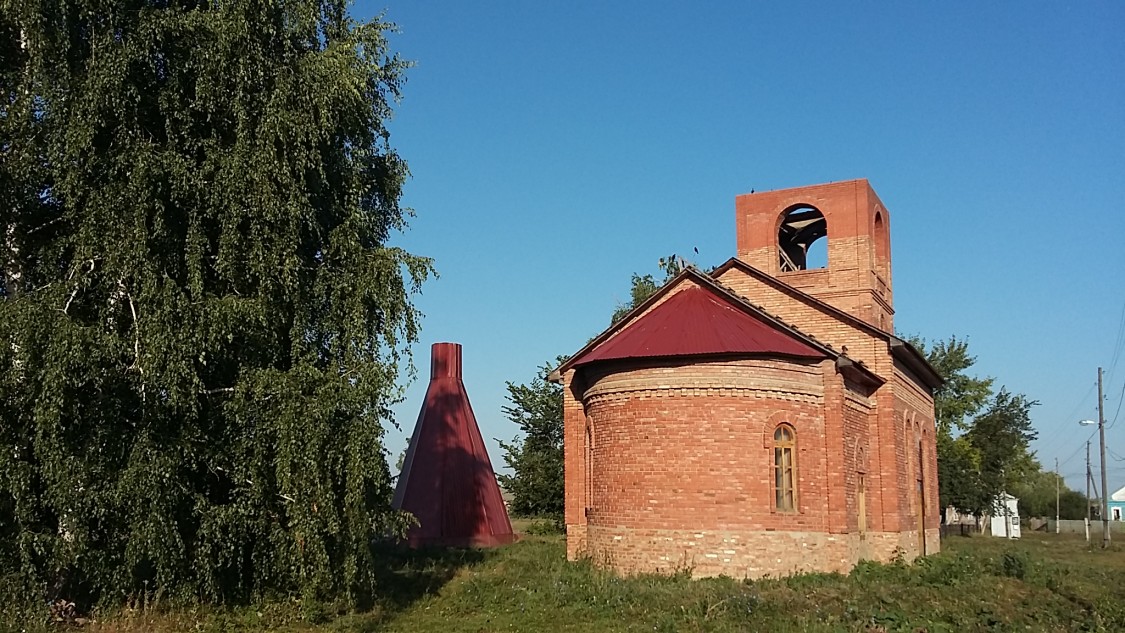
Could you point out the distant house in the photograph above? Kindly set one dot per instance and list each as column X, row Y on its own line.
column 953, row 516
column 1117, row 506
column 506, row 495
column 1006, row 517
column 1003, row 521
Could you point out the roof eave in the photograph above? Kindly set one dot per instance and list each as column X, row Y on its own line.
column 623, row 321
column 908, row 355
column 856, row 372
column 901, row 350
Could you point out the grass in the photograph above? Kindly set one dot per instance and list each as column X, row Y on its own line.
column 1044, row 582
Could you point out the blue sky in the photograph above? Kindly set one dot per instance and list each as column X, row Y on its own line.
column 556, row 148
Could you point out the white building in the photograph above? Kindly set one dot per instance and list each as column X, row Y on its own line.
column 1006, row 517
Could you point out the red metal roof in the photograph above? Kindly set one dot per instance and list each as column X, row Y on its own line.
column 901, row 349
column 696, row 322
column 447, row 480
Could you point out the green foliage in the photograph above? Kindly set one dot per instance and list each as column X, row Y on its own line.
column 536, row 458
column 1073, row 505
column 962, row 396
column 1036, row 489
column 401, row 461
column 545, row 527
column 643, row 287
column 1001, row 436
column 959, row 483
column 983, row 442
column 200, row 313
column 1040, row 583
column 982, row 437
column 1013, row 565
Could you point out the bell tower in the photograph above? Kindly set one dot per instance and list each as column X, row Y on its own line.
column 783, row 233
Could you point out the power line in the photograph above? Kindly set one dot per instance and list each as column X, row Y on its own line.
column 1081, row 402
column 1115, row 469
column 1119, row 343
column 1060, row 428
column 1077, row 450
column 1120, row 399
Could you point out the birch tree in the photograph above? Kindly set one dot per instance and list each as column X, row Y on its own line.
column 204, row 306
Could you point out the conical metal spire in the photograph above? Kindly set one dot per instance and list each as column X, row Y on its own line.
column 447, row 480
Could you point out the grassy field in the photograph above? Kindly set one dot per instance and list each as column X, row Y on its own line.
column 1040, row 583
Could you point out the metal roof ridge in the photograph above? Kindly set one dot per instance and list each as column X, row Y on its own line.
column 917, row 359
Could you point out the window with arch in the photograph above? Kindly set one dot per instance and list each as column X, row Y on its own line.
column 882, row 245
column 799, row 242
column 784, row 468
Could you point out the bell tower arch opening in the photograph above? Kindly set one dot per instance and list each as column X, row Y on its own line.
column 802, row 238
column 882, row 245
column 839, row 232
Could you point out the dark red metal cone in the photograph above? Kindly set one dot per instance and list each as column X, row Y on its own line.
column 447, row 481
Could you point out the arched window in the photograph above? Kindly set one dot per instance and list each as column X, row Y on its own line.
column 881, row 245
column 784, row 468
column 801, row 228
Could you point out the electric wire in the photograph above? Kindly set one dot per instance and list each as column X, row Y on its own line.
column 1050, row 437
column 1077, row 450
column 1093, row 470
column 1118, row 343
column 1120, row 399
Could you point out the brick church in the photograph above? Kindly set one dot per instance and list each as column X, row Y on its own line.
column 762, row 419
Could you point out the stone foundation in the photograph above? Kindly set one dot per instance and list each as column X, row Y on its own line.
column 738, row 554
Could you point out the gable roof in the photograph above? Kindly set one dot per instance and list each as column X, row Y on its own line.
column 696, row 322
column 901, row 350
column 707, row 320
column 1118, row 496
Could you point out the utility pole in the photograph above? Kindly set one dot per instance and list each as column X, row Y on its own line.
column 1056, row 495
column 1105, row 485
column 1089, row 478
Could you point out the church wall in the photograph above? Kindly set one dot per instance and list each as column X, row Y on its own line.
column 861, row 345
column 853, row 280
column 890, row 484
column 886, row 493
column 682, row 465
column 574, row 467
column 678, row 471
column 677, row 447
column 914, row 408
column 857, row 409
column 574, row 455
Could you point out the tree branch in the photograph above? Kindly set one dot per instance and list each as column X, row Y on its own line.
column 74, row 293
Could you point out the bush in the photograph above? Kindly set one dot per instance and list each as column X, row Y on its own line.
column 546, row 527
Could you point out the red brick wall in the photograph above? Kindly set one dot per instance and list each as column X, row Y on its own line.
column 681, row 468
column 679, row 472
column 861, row 344
column 892, row 476
column 858, row 277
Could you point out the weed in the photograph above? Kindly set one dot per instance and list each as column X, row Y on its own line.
column 1013, row 565
column 544, row 527
column 1041, row 583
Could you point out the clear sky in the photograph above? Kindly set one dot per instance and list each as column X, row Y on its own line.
column 556, row 148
